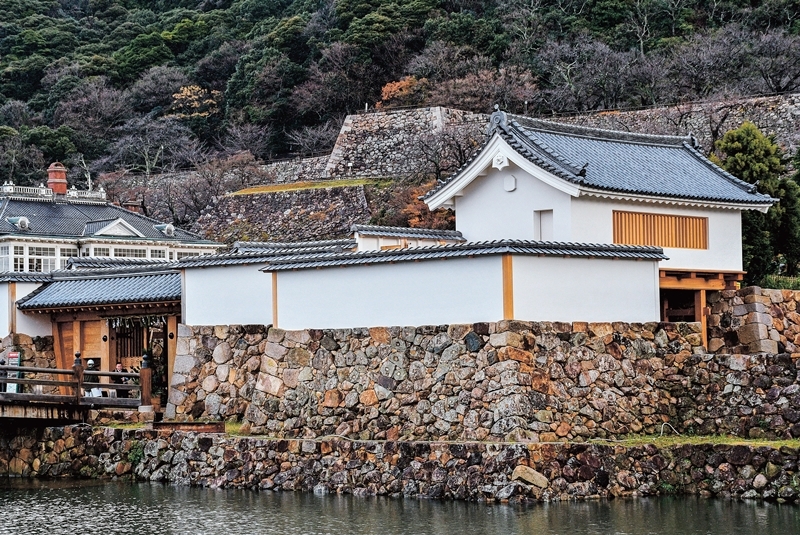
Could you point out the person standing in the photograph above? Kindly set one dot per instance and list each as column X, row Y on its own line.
column 121, row 392
column 92, row 391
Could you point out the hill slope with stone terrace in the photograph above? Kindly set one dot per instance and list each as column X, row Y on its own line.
column 400, row 153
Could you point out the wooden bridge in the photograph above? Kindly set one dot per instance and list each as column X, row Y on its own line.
column 61, row 395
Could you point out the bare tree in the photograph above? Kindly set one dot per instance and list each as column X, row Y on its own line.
column 675, row 10
column 587, row 75
column 776, row 58
column 524, row 20
column 339, row 82
column 711, row 64
column 251, row 138
column 147, row 147
column 20, row 163
column 640, row 21
column 15, row 114
column 93, row 107
column 441, row 152
column 311, row 139
column 510, row 87
column 442, row 61
column 155, row 87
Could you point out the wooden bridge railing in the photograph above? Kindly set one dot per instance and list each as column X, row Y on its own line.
column 76, row 387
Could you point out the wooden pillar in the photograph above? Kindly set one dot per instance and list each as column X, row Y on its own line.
column 508, row 287
column 172, row 345
column 58, row 349
column 77, row 339
column 146, row 384
column 77, row 375
column 106, row 363
column 700, row 314
column 12, row 307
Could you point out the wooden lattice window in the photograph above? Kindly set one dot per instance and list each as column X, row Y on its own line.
column 683, row 232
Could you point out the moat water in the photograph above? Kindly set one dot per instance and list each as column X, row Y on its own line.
column 88, row 507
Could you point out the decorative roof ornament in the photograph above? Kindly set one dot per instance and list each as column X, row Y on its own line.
column 499, row 161
column 499, row 119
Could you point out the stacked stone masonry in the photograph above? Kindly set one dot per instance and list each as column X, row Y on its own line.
column 297, row 169
column 285, row 216
column 35, row 352
column 466, row 471
column 776, row 115
column 387, row 143
column 754, row 320
column 511, row 380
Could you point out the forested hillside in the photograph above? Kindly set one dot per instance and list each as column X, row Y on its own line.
column 152, row 85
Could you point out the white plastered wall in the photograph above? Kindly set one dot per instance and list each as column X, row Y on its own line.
column 551, row 288
column 486, row 211
column 5, row 310
column 433, row 292
column 227, row 295
column 592, row 222
column 30, row 323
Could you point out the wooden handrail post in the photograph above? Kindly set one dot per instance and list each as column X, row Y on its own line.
column 77, row 373
column 145, row 382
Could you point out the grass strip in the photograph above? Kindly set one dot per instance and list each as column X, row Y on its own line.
column 309, row 185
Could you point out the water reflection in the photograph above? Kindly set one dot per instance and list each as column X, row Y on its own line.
column 92, row 507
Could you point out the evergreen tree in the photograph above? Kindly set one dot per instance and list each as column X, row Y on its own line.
column 755, row 158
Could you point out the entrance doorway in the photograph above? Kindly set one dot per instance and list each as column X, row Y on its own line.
column 133, row 337
column 678, row 305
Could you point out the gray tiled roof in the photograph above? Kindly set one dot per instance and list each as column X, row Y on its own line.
column 71, row 219
column 587, row 250
column 622, row 162
column 261, row 246
column 107, row 290
column 92, row 227
column 11, row 276
column 406, row 232
column 94, row 262
column 261, row 256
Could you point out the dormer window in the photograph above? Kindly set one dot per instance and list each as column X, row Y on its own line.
column 167, row 229
column 22, row 223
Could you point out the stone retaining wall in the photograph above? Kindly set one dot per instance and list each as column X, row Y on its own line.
column 35, row 352
column 387, row 143
column 285, row 216
column 298, row 169
column 777, row 115
column 754, row 320
column 509, row 380
column 467, row 471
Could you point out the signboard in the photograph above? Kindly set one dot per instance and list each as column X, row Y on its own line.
column 13, row 360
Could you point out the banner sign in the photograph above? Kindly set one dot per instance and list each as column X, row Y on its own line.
column 13, row 360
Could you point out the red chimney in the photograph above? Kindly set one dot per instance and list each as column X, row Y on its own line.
column 57, row 178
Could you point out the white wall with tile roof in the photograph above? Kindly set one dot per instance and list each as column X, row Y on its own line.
column 31, row 324
column 435, row 292
column 592, row 222
column 227, row 295
column 552, row 288
column 468, row 290
column 486, row 211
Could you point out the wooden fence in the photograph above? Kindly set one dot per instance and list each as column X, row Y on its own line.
column 75, row 387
